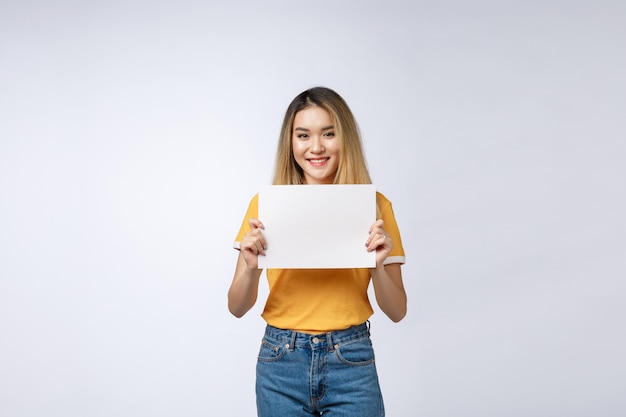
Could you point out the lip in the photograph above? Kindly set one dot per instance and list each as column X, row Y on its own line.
column 318, row 162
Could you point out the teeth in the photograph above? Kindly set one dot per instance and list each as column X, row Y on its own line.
column 318, row 161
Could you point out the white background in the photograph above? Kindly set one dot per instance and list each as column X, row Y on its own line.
column 134, row 133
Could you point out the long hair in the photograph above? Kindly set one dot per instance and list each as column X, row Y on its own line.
column 352, row 167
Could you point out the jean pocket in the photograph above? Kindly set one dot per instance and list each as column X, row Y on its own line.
column 271, row 352
column 356, row 353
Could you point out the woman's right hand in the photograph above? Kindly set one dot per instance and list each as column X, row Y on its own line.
column 253, row 244
column 244, row 288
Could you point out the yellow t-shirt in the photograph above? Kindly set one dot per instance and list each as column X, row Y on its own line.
column 321, row 300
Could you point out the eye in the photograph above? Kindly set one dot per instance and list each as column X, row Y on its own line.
column 329, row 134
column 302, row 136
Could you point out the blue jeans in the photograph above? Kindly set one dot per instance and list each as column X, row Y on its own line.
column 300, row 374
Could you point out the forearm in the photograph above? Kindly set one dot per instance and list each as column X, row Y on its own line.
column 244, row 289
column 389, row 291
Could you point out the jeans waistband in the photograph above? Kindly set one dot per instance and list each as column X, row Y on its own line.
column 298, row 339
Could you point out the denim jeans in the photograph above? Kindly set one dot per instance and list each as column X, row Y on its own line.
column 334, row 374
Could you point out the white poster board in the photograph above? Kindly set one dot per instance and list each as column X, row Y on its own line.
column 317, row 226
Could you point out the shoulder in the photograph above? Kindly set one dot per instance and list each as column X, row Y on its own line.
column 384, row 206
column 381, row 200
column 255, row 199
column 251, row 212
column 254, row 202
column 253, row 206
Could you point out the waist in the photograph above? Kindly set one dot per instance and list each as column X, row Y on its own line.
column 300, row 339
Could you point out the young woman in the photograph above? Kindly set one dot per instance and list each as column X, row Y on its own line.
column 316, row 356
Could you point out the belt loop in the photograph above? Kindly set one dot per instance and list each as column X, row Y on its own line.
column 329, row 341
column 292, row 344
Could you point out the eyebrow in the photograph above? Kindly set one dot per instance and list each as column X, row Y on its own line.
column 306, row 130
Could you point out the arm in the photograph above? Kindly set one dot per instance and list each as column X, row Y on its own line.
column 244, row 288
column 387, row 279
column 389, row 290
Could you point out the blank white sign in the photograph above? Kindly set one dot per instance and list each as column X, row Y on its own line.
column 317, row 226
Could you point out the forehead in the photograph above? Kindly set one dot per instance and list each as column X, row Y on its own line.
column 313, row 116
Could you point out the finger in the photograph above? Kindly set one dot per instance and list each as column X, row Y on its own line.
column 256, row 239
column 255, row 242
column 249, row 245
column 375, row 228
column 255, row 224
column 379, row 239
column 378, row 224
column 260, row 247
column 375, row 240
column 261, row 241
column 371, row 237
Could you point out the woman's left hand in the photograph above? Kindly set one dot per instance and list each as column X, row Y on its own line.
column 379, row 241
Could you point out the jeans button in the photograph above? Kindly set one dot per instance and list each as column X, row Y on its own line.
column 316, row 340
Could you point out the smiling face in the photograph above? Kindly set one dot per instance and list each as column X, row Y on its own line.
column 315, row 147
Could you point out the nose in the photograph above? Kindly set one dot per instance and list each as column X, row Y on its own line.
column 316, row 145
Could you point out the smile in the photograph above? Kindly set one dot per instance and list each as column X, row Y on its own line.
column 318, row 162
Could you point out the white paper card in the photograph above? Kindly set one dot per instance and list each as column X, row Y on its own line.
column 317, row 226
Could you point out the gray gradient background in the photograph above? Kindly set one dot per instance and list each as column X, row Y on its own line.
column 133, row 134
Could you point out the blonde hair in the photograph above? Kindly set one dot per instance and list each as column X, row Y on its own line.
column 352, row 167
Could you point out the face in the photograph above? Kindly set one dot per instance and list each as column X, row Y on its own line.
column 315, row 146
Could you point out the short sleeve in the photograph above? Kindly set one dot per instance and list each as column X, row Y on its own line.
column 396, row 256
column 251, row 213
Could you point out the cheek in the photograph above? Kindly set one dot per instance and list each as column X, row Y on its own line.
column 297, row 151
column 297, row 154
column 334, row 149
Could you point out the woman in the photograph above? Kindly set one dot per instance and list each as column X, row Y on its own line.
column 316, row 356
